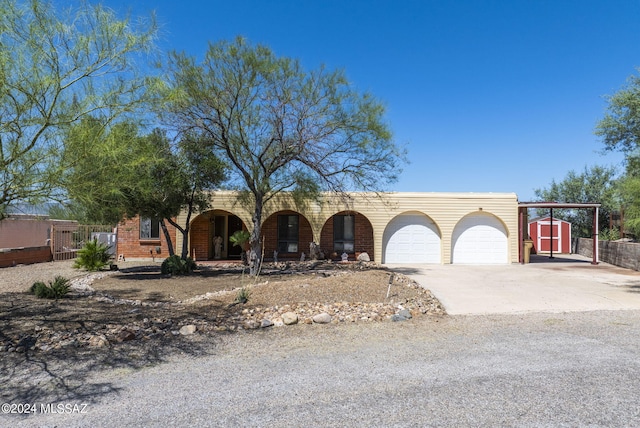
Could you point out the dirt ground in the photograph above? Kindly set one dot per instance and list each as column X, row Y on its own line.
column 277, row 285
column 135, row 316
column 207, row 299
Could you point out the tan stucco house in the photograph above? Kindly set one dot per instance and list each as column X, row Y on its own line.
column 440, row 228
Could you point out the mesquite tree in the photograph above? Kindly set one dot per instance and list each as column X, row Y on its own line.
column 57, row 67
column 280, row 128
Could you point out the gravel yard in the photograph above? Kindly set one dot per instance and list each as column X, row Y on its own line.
column 137, row 317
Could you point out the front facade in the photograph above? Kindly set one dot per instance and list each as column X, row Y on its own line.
column 441, row 228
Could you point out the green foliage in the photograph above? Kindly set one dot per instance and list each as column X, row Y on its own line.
column 243, row 295
column 114, row 170
column 93, row 256
column 175, row 265
column 240, row 238
column 54, row 290
column 58, row 65
column 278, row 126
column 593, row 185
column 620, row 127
column 609, row 235
column 620, row 131
column 132, row 174
column 629, row 194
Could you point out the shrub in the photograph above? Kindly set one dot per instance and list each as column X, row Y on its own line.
column 93, row 256
column 175, row 265
column 609, row 235
column 55, row 290
column 243, row 295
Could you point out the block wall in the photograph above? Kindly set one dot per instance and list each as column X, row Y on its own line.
column 623, row 254
column 23, row 256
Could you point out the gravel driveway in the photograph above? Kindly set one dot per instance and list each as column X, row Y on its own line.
column 542, row 369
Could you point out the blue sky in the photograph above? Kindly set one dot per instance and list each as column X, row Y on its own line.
column 487, row 96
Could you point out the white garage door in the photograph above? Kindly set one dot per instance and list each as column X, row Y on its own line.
column 411, row 238
column 480, row 239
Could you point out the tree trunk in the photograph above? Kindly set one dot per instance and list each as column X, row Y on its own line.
column 185, row 237
column 165, row 231
column 184, row 231
column 255, row 255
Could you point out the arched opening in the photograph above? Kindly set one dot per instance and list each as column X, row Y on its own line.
column 347, row 232
column 209, row 236
column 412, row 237
column 288, row 233
column 480, row 238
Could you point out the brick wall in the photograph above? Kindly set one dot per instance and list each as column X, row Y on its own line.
column 131, row 246
column 19, row 256
column 363, row 237
column 199, row 238
column 270, row 233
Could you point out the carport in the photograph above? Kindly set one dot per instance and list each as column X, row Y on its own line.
column 522, row 222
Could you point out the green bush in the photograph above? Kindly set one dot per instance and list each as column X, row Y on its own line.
column 55, row 290
column 243, row 295
column 93, row 256
column 175, row 265
column 609, row 235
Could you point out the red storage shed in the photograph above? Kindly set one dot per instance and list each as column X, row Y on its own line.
column 540, row 232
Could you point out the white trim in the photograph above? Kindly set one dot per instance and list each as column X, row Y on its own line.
column 557, row 237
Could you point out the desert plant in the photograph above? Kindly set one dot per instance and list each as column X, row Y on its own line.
column 609, row 235
column 175, row 265
column 243, row 295
column 55, row 290
column 240, row 238
column 93, row 256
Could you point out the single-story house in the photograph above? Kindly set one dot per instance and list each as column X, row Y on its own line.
column 441, row 228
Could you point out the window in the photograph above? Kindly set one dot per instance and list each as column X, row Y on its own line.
column 343, row 233
column 149, row 228
column 287, row 233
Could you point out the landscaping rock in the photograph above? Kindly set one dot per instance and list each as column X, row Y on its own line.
column 126, row 335
column 98, row 341
column 323, row 318
column 251, row 325
column 188, row 329
column 403, row 315
column 290, row 318
column 266, row 323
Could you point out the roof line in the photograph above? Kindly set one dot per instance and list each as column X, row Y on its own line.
column 557, row 205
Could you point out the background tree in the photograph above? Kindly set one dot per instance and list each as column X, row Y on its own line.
column 123, row 174
column 181, row 180
column 106, row 168
column 279, row 127
column 619, row 130
column 594, row 185
column 56, row 68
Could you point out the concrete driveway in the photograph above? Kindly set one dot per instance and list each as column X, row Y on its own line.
column 563, row 284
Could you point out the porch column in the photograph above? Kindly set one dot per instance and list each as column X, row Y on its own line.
column 595, row 237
